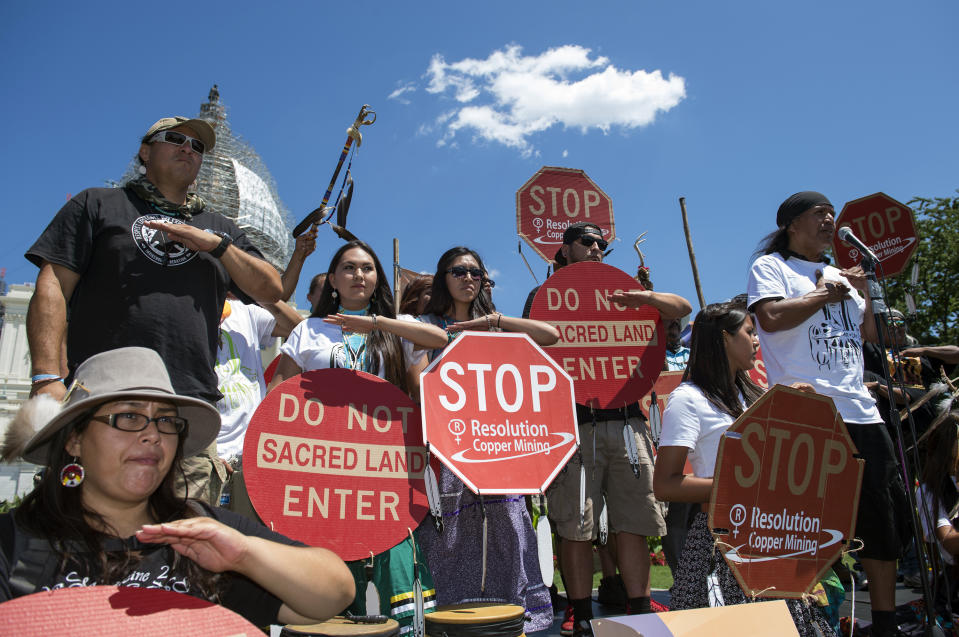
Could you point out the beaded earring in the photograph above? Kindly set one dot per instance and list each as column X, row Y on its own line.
column 334, row 295
column 72, row 474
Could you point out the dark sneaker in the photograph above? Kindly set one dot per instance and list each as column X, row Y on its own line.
column 611, row 592
column 582, row 628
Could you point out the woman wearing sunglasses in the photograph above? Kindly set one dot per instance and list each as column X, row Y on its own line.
column 106, row 510
column 460, row 301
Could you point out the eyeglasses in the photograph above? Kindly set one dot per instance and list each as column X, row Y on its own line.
column 460, row 271
column 588, row 240
column 128, row 421
column 178, row 139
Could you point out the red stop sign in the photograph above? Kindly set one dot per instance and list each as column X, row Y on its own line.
column 613, row 353
column 335, row 458
column 499, row 413
column 785, row 492
column 885, row 225
column 553, row 199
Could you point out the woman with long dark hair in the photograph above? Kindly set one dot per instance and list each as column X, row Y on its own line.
column 106, row 510
column 716, row 390
column 353, row 325
column 498, row 565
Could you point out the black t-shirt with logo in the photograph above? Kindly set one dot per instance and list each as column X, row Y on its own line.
column 138, row 288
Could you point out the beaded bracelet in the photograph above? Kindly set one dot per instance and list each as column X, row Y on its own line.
column 489, row 324
column 373, row 329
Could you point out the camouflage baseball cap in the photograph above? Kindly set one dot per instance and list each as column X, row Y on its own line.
column 202, row 128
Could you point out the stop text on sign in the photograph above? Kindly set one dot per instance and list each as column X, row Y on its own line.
column 499, row 413
column 565, row 200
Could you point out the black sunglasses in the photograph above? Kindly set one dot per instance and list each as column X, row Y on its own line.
column 588, row 240
column 460, row 271
column 178, row 139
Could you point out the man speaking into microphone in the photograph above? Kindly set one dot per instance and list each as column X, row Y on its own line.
column 812, row 321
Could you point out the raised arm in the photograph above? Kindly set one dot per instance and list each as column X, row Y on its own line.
column 254, row 276
column 423, row 335
column 305, row 245
column 783, row 314
column 945, row 353
column 286, row 318
column 313, row 583
column 669, row 482
column 47, row 325
column 541, row 332
column 670, row 306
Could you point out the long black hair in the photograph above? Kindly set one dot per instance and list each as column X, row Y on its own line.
column 941, row 463
column 57, row 513
column 380, row 344
column 708, row 364
column 441, row 301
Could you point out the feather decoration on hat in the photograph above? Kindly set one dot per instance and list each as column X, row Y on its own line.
column 33, row 415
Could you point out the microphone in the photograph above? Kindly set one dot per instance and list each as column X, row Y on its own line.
column 846, row 235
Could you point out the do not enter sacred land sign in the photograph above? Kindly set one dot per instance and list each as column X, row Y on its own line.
column 499, row 413
column 335, row 458
column 613, row 353
column 553, row 199
column 785, row 493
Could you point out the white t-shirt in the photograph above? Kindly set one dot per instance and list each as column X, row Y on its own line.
column 316, row 344
column 691, row 421
column 941, row 519
column 825, row 350
column 239, row 372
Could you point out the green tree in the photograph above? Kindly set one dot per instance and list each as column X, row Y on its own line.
column 937, row 292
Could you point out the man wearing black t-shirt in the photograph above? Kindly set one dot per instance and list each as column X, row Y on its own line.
column 633, row 511
column 142, row 265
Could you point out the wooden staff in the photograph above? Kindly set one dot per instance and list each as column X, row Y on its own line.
column 396, row 276
column 692, row 254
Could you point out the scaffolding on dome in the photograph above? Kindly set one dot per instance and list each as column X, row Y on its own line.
column 235, row 182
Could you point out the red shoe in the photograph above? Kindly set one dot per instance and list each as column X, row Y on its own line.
column 569, row 623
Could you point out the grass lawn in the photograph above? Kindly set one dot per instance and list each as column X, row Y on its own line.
column 660, row 577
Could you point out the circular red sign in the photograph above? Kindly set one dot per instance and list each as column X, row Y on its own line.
column 554, row 198
column 335, row 458
column 499, row 412
column 883, row 224
column 118, row 610
column 785, row 493
column 613, row 353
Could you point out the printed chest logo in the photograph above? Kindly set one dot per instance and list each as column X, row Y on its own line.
column 156, row 245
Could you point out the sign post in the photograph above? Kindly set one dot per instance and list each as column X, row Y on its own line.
column 335, row 458
column 885, row 225
column 553, row 199
column 613, row 353
column 785, row 493
column 499, row 413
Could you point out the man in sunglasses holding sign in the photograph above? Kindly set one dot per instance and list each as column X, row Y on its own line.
column 142, row 265
column 631, row 506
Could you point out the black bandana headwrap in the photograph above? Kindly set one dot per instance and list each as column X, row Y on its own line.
column 798, row 204
column 150, row 194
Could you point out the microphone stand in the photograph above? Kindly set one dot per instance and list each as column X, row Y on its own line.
column 879, row 313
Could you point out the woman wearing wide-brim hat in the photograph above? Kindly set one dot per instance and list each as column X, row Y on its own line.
column 106, row 511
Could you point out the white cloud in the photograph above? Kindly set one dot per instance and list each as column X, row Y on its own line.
column 400, row 91
column 565, row 153
column 508, row 97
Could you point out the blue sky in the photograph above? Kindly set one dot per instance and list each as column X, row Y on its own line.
column 733, row 105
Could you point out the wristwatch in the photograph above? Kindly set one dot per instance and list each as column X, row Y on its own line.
column 225, row 241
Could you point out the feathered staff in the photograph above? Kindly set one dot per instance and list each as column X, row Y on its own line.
column 322, row 214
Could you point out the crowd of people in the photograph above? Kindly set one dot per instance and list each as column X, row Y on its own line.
column 145, row 332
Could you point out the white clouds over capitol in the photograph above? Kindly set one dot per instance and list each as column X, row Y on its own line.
column 508, row 97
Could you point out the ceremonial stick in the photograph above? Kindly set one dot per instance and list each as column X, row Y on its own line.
column 692, row 255
column 315, row 218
